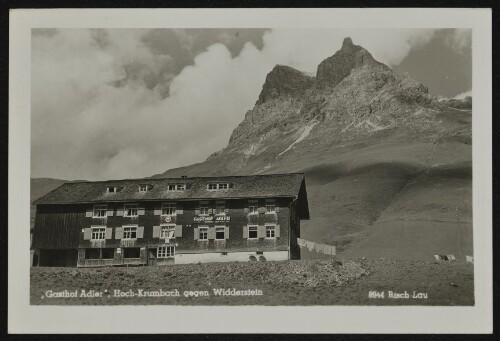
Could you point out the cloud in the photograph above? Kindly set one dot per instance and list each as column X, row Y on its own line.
column 464, row 94
column 115, row 103
column 460, row 39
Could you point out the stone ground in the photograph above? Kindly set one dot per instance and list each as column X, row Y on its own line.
column 312, row 282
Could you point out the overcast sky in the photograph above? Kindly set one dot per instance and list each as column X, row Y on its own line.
column 121, row 103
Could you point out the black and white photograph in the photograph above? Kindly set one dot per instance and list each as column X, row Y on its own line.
column 252, row 165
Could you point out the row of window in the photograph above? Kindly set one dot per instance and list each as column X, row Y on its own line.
column 169, row 209
column 99, row 233
column 172, row 187
column 270, row 231
column 168, row 232
column 128, row 253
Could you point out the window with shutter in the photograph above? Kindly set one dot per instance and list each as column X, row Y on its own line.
column 270, row 231
column 167, row 231
column 99, row 211
column 203, row 233
column 131, row 210
column 252, row 232
column 220, row 232
column 129, row 232
column 98, row 233
column 168, row 209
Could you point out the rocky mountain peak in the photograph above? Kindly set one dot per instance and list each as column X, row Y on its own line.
column 284, row 81
column 334, row 69
column 347, row 43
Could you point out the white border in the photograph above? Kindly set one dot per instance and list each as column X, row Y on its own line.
column 23, row 318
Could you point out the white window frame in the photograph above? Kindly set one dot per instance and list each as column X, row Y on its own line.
column 111, row 189
column 223, row 231
column 170, row 228
column 169, row 206
column 256, row 231
column 218, row 186
column 204, row 205
column 166, row 251
column 205, row 229
column 130, row 227
column 269, row 204
column 218, row 205
column 143, row 188
column 131, row 207
column 99, row 208
column 102, row 232
column 176, row 187
column 255, row 205
column 274, row 231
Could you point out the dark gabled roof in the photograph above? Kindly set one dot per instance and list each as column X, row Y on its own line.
column 253, row 186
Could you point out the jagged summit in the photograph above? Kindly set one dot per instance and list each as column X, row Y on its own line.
column 334, row 69
column 284, row 81
column 347, row 42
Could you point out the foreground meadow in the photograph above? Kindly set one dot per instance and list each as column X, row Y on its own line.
column 313, row 282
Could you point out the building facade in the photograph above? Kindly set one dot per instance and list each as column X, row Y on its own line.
column 170, row 221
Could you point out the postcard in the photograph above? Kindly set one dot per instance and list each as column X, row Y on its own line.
column 250, row 170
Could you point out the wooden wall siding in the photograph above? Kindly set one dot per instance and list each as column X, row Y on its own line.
column 59, row 226
column 239, row 219
column 62, row 227
column 294, row 232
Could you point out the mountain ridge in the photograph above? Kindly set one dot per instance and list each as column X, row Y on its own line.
column 370, row 142
column 383, row 159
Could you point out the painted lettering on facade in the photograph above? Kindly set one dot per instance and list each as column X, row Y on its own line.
column 204, row 219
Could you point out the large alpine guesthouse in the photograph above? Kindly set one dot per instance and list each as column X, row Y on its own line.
column 162, row 221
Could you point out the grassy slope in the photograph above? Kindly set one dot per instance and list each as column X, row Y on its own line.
column 376, row 186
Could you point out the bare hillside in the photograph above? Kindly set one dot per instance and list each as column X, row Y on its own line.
column 379, row 154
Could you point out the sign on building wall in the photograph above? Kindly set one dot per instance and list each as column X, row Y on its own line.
column 212, row 218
